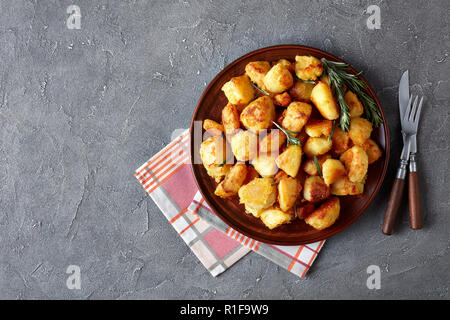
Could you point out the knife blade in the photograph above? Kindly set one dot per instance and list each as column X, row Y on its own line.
column 403, row 94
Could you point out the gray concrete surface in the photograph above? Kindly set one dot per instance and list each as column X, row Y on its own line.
column 81, row 109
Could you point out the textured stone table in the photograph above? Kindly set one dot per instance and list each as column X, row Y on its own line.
column 81, row 109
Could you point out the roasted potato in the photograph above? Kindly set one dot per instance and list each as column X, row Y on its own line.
column 282, row 99
column 315, row 189
column 296, row 116
column 280, row 175
column 288, row 192
column 355, row 106
column 230, row 119
column 272, row 142
column 317, row 128
column 323, row 99
column 344, row 187
column 301, row 91
column 278, row 79
column 332, row 169
column 325, row 215
column 372, row 149
column 251, row 174
column 212, row 127
column 259, row 114
column 218, row 171
column 305, row 209
column 239, row 90
column 275, row 217
column 214, row 150
column 308, row 68
column 286, row 63
column 256, row 71
column 265, row 165
column 360, row 130
column 244, row 145
column 326, row 79
column 341, row 141
column 290, row 160
column 309, row 165
column 234, row 179
column 317, row 146
column 257, row 195
column 356, row 163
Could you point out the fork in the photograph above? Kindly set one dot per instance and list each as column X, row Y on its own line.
column 409, row 129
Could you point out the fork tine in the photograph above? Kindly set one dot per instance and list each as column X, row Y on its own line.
column 419, row 110
column 413, row 110
column 408, row 110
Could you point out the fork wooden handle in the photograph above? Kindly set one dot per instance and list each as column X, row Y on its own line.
column 393, row 205
column 415, row 210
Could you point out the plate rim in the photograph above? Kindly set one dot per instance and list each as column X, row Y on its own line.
column 322, row 236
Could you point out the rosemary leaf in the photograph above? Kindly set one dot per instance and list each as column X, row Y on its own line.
column 316, row 161
column 289, row 139
column 332, row 131
column 260, row 90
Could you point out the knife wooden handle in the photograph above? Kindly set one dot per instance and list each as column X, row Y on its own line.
column 393, row 205
column 415, row 210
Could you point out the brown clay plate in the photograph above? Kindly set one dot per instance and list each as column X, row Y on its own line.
column 298, row 232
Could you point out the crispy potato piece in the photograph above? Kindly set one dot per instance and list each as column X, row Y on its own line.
column 372, row 149
column 297, row 114
column 256, row 71
column 304, row 210
column 239, row 90
column 332, row 169
column 286, row 63
column 214, row 150
column 360, row 130
column 257, row 195
column 341, row 141
column 218, row 171
column 326, row 79
column 290, row 159
column 344, row 187
column 214, row 128
column 323, row 99
column 230, row 119
column 244, row 145
column 275, row 217
column 317, row 146
column 251, row 174
column 265, row 165
column 356, row 162
column 309, row 166
column 317, row 128
column 325, row 215
column 280, row 175
column 259, row 114
column 278, row 79
column 315, row 189
column 301, row 91
column 355, row 106
column 288, row 192
column 282, row 99
column 308, row 68
column 272, row 142
column 233, row 181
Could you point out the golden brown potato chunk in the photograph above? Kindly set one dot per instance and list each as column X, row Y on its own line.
column 290, row 159
column 272, row 142
column 344, row 187
column 230, row 119
column 214, row 150
column 244, row 145
column 315, row 189
column 332, row 169
column 282, row 99
column 304, row 210
column 286, row 63
column 341, row 141
column 317, row 146
column 297, row 114
column 278, row 79
column 234, row 179
column 317, row 128
column 265, row 165
column 288, row 192
column 309, row 166
column 326, row 79
column 372, row 149
column 214, row 128
column 301, row 91
column 256, row 71
column 217, row 171
column 355, row 106
column 356, row 162
column 360, row 130
column 325, row 215
column 275, row 217
column 259, row 114
column 257, row 195
column 239, row 90
column 308, row 68
column 323, row 99
column 251, row 174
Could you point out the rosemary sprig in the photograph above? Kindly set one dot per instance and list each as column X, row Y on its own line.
column 260, row 90
column 338, row 75
column 290, row 139
column 316, row 161
column 333, row 126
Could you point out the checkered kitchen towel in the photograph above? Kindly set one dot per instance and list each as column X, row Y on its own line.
column 167, row 178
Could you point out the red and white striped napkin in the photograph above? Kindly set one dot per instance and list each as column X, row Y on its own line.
column 167, row 178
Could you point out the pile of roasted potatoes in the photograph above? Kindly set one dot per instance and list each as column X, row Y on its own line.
column 279, row 149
